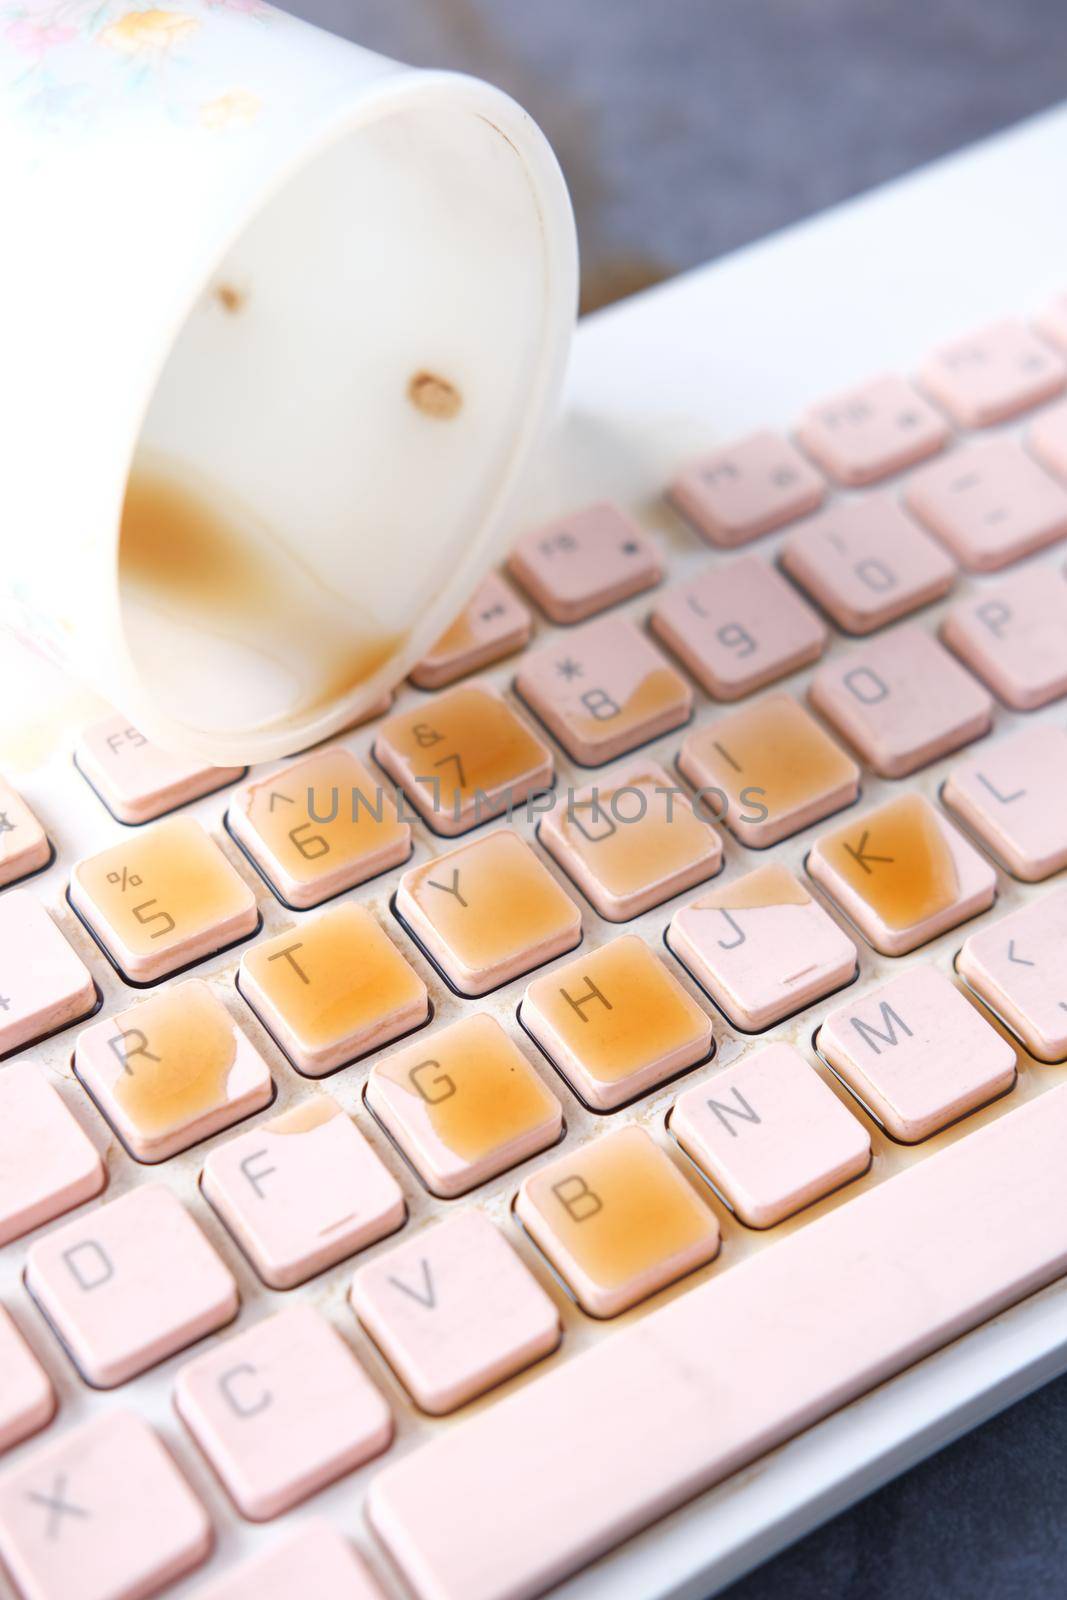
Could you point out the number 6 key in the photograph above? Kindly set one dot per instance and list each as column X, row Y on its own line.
column 162, row 900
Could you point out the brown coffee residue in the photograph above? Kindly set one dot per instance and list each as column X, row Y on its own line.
column 466, row 735
column 189, row 1047
column 779, row 749
column 230, row 298
column 482, row 1095
column 304, row 1118
column 434, row 396
column 898, row 859
column 659, row 691
column 189, row 554
column 767, row 886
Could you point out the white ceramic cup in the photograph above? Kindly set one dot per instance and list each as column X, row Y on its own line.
column 318, row 303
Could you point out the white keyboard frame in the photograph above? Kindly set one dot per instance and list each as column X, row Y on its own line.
column 742, row 344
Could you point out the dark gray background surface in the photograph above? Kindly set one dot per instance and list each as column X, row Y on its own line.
column 686, row 128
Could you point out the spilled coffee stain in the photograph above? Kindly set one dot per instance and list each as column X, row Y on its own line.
column 756, row 891
column 192, row 1044
column 304, row 1118
column 230, row 298
column 434, row 396
column 915, row 877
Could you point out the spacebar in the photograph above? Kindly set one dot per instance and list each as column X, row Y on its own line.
column 517, row 1498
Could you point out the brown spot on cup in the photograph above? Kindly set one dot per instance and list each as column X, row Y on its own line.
column 230, row 298
column 434, row 396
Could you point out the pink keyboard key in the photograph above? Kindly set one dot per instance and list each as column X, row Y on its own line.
column 990, row 503
column 163, row 898
column 770, row 1135
column 488, row 912
column 281, row 1410
column 586, row 562
column 48, row 1165
column 454, row 1311
column 903, row 874
column 762, row 947
column 493, row 624
column 463, row 757
column 1012, row 797
column 316, row 1563
column 302, row 1191
column 24, row 846
column 1014, row 636
column 333, row 988
column 603, row 689
column 916, row 1054
column 993, row 374
column 868, row 1290
column 463, row 1104
column 137, row 780
column 738, row 627
column 746, row 489
column 873, row 430
column 101, row 1513
column 631, row 843
column 43, row 984
column 1053, row 322
column 129, row 1284
column 1048, row 439
column 768, row 770
column 618, row 1220
column 616, row 1022
column 319, row 826
column 27, row 1399
column 901, row 701
column 1016, row 967
column 172, row 1071
column 867, row 563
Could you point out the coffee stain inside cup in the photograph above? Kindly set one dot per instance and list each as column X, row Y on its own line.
column 214, row 568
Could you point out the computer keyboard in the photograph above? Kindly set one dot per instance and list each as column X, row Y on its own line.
column 680, row 957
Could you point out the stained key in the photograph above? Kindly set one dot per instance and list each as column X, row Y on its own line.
column 319, row 826
column 738, row 627
column 44, row 984
column 464, row 757
column 1012, row 797
column 917, row 1054
column 762, row 947
column 603, row 690
column 100, row 1513
column 901, row 701
column 136, row 779
column 171, row 1071
column 493, row 624
column 24, row 846
column 454, row 1311
column 768, row 770
column 770, row 1135
column 1016, row 967
column 873, row 430
column 993, row 374
column 463, row 1105
column 163, row 899
column 488, row 911
column 130, row 1284
column 867, row 563
column 1014, row 636
column 746, row 489
column 990, row 503
column 586, row 562
column 48, row 1163
column 616, row 1022
column 617, row 1220
column 281, row 1410
column 631, row 842
column 302, row 1191
column 903, row 874
column 332, row 988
